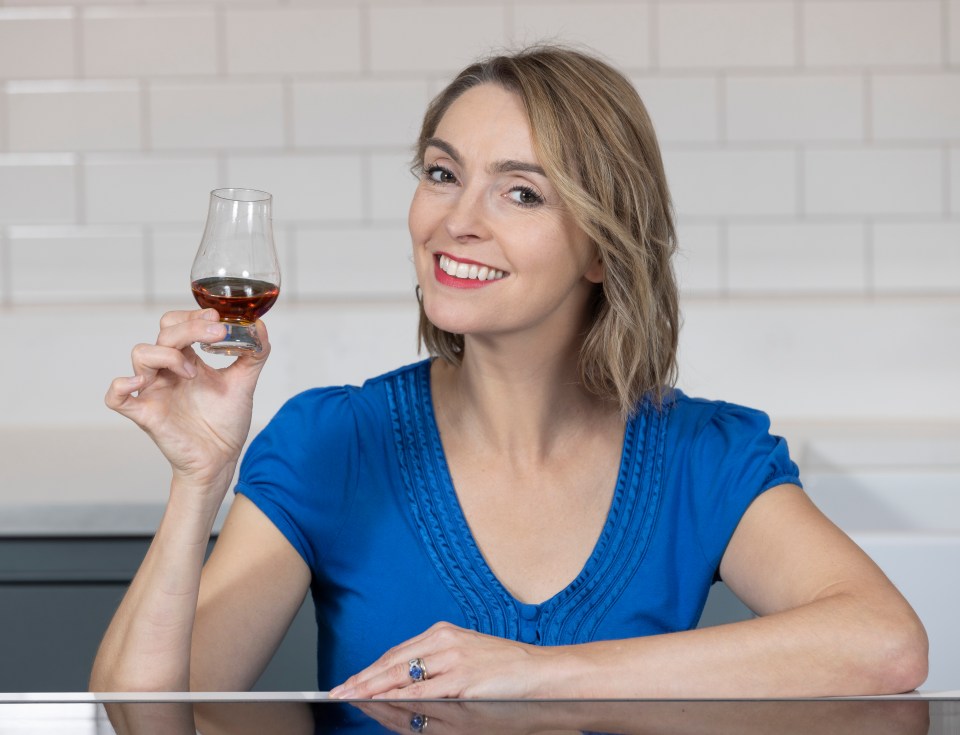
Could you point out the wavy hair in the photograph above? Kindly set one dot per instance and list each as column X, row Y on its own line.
column 597, row 145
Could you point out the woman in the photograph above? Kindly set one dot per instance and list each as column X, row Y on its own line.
column 534, row 512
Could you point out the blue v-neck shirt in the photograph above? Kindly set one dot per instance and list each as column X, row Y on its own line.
column 357, row 481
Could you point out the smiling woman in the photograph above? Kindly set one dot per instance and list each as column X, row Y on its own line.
column 534, row 511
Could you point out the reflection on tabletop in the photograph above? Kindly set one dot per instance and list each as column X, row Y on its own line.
column 821, row 717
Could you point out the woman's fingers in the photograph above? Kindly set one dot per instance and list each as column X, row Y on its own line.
column 120, row 391
column 390, row 674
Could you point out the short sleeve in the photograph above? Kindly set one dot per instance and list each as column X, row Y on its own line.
column 301, row 470
column 734, row 459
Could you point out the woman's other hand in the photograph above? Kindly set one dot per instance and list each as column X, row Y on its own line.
column 459, row 663
column 198, row 416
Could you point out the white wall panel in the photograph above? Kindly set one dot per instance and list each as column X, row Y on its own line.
column 877, row 181
column 795, row 108
column 726, row 34
column 916, row 106
column 171, row 254
column 391, row 186
column 149, row 41
column 700, row 262
column 953, row 30
column 144, row 189
column 953, row 177
column 64, row 265
column 433, row 38
column 36, row 43
column 305, row 187
column 217, row 115
column 917, row 257
column 872, row 33
column 292, row 40
column 826, row 359
column 73, row 115
column 370, row 262
column 732, row 182
column 37, row 188
column 621, row 31
column 683, row 109
column 358, row 113
column 796, row 258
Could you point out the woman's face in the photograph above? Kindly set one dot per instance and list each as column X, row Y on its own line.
column 495, row 251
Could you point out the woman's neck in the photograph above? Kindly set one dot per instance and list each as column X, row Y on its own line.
column 524, row 404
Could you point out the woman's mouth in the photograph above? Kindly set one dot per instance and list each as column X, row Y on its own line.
column 464, row 274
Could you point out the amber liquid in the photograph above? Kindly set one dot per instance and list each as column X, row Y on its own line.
column 241, row 300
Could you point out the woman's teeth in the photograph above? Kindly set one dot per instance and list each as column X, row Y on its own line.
column 465, row 270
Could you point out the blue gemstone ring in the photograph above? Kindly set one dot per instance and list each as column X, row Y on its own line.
column 418, row 723
column 417, row 670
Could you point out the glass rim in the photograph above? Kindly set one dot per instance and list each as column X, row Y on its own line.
column 241, row 194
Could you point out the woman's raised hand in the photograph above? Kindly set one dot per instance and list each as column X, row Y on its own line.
column 198, row 416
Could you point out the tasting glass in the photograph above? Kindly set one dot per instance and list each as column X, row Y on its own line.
column 236, row 270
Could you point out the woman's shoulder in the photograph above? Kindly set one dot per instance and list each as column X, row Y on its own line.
column 344, row 400
column 699, row 413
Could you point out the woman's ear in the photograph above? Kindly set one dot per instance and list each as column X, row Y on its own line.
column 595, row 272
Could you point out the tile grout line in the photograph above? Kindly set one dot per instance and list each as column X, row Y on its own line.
column 80, row 188
column 366, row 45
column 799, row 35
column 79, row 71
column 148, row 249
column 6, row 277
column 869, row 260
column 945, row 33
column 947, row 180
column 723, row 236
column 801, row 182
column 653, row 18
column 146, row 129
column 288, row 106
column 220, row 39
column 509, row 24
column 868, row 133
column 4, row 118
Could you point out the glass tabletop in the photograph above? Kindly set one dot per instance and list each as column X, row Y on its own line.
column 304, row 713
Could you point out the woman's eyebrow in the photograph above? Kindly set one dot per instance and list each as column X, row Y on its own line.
column 498, row 167
column 503, row 167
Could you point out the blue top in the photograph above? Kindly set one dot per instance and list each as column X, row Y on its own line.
column 357, row 480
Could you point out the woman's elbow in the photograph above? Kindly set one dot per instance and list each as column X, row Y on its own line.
column 904, row 655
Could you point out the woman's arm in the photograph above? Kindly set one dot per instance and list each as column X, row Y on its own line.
column 199, row 418
column 831, row 624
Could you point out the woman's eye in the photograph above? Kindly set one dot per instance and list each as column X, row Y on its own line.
column 525, row 196
column 440, row 175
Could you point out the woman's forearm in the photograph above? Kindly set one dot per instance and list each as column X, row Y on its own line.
column 842, row 644
column 147, row 645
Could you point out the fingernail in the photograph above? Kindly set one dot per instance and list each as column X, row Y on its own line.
column 211, row 314
column 190, row 369
column 134, row 381
column 215, row 328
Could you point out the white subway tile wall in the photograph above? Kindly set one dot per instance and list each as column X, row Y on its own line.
column 812, row 147
column 291, row 40
column 148, row 41
column 37, row 43
column 873, row 33
column 795, row 108
column 81, row 115
column 726, row 35
column 621, row 30
column 216, row 115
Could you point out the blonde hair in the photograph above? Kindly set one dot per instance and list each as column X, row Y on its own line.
column 597, row 145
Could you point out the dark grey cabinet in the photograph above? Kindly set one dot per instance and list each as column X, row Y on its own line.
column 57, row 595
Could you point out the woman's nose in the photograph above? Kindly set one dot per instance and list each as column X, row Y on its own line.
column 465, row 219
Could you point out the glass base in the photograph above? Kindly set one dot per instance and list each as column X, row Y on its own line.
column 240, row 339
